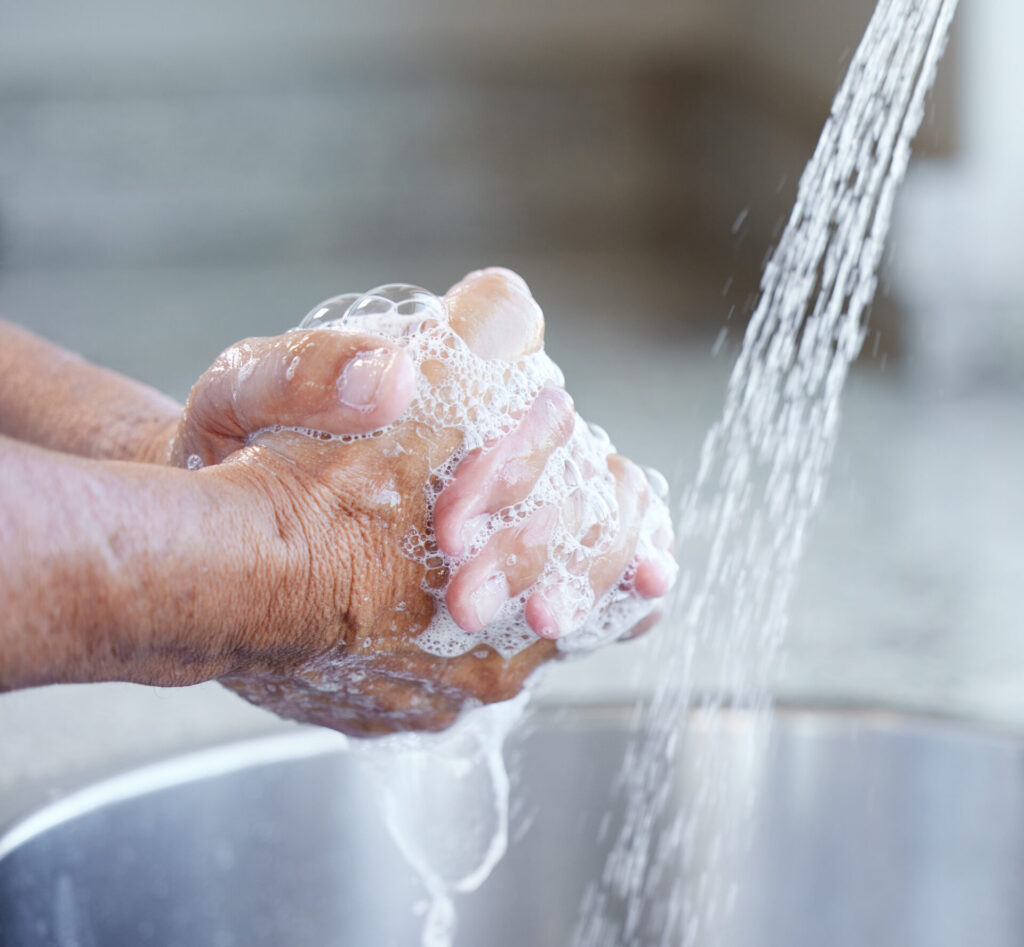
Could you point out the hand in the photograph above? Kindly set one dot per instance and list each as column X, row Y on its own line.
column 348, row 384
column 494, row 311
column 280, row 569
column 360, row 601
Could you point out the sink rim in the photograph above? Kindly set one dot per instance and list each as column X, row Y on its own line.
column 305, row 742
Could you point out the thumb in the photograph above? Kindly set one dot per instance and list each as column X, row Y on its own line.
column 337, row 382
column 495, row 314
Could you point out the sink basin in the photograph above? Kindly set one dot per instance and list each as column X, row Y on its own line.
column 869, row 829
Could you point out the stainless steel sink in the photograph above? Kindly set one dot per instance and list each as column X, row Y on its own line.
column 870, row 829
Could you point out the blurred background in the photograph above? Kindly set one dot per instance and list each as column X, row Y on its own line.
column 174, row 177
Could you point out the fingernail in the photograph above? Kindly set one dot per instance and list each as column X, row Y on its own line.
column 363, row 377
column 550, row 617
column 541, row 618
column 550, row 631
column 488, row 598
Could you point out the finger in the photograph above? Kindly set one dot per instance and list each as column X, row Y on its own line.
column 540, row 616
column 554, row 611
column 508, row 564
column 495, row 314
column 331, row 381
column 654, row 577
column 328, row 381
column 631, row 496
column 504, row 474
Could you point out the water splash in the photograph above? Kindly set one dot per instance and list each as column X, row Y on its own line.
column 761, row 478
column 444, row 798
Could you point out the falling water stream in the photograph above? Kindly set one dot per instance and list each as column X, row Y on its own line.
column 762, row 474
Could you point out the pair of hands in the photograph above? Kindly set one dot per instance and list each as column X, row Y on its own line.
column 338, row 645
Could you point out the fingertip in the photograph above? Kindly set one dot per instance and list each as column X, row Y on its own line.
column 631, row 476
column 494, row 272
column 476, row 596
column 540, row 617
column 495, row 314
column 449, row 516
column 461, row 614
column 511, row 277
column 653, row 578
column 330, row 381
column 448, row 532
column 377, row 384
column 560, row 412
column 460, row 607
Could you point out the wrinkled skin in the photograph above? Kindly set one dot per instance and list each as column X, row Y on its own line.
column 354, row 601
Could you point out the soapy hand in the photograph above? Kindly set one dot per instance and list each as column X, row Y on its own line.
column 495, row 313
column 358, row 601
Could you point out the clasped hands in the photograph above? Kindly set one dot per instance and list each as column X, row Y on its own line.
column 336, row 642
